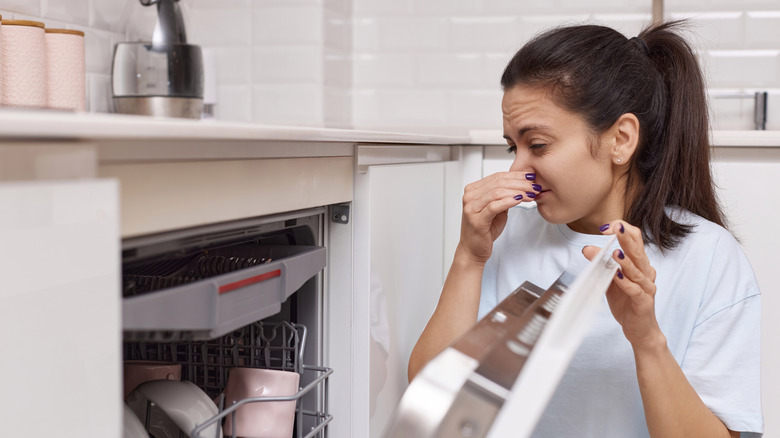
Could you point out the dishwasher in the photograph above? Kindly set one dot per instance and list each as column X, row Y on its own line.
column 246, row 294
column 496, row 379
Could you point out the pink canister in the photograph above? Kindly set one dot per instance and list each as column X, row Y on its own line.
column 65, row 69
column 23, row 51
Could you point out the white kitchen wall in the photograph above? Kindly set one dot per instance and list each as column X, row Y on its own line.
column 280, row 61
column 411, row 65
column 435, row 65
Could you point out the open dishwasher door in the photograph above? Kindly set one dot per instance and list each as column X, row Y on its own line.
column 496, row 380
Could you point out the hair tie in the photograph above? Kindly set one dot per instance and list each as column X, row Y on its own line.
column 642, row 44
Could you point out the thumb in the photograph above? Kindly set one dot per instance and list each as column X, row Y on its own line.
column 590, row 251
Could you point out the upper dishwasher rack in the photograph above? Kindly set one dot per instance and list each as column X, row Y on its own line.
column 206, row 290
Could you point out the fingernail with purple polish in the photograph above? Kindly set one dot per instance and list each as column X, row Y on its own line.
column 619, row 274
column 536, row 187
column 604, row 227
column 621, row 256
column 530, row 176
column 530, row 195
column 518, row 197
column 622, row 230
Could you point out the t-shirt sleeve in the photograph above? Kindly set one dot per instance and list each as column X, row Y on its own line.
column 723, row 365
column 723, row 358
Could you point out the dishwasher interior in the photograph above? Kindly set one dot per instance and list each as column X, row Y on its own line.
column 243, row 294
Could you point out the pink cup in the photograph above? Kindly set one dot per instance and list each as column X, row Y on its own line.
column 261, row 419
column 137, row 372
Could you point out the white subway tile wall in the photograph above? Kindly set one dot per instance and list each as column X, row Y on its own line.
column 281, row 61
column 412, row 50
column 413, row 65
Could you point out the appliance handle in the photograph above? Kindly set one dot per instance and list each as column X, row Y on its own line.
column 229, row 287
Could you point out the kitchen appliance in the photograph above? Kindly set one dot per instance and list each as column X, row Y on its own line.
column 162, row 77
column 243, row 294
column 496, row 380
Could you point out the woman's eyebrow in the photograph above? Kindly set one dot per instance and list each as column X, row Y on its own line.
column 525, row 129
column 522, row 131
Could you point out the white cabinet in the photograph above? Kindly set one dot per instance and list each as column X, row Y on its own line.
column 403, row 199
column 748, row 181
column 60, row 328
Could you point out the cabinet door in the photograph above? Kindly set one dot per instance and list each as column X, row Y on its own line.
column 404, row 196
column 60, row 330
column 406, row 265
column 748, row 181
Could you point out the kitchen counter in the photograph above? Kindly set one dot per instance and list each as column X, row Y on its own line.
column 48, row 124
column 118, row 138
column 119, row 128
column 105, row 177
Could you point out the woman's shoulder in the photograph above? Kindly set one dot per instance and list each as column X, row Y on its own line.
column 717, row 252
column 703, row 232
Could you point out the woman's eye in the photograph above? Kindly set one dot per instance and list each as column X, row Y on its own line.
column 537, row 146
column 511, row 150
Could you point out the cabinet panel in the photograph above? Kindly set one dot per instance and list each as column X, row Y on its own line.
column 60, row 309
column 406, row 265
column 748, row 179
column 165, row 196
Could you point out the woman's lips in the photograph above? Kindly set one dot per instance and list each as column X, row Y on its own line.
column 540, row 195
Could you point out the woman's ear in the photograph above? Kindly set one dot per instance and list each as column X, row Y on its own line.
column 625, row 138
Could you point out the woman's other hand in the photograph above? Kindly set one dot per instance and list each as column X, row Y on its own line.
column 485, row 205
column 631, row 296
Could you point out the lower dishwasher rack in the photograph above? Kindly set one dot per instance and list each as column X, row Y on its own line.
column 278, row 346
column 206, row 308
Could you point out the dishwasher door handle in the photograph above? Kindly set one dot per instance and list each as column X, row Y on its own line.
column 249, row 281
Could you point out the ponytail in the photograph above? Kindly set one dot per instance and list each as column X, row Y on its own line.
column 682, row 175
column 598, row 73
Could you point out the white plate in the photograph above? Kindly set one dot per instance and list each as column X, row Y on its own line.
column 186, row 405
column 132, row 426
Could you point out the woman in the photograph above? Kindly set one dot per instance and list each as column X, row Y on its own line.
column 610, row 136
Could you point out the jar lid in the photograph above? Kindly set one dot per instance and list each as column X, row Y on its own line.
column 66, row 31
column 22, row 23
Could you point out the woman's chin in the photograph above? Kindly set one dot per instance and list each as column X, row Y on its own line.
column 551, row 216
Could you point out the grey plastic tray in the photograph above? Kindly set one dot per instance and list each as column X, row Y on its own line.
column 218, row 305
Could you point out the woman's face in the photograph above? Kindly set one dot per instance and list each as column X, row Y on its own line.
column 573, row 165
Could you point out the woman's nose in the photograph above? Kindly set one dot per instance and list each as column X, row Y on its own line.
column 520, row 163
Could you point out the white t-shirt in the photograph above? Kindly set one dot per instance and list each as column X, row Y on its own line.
column 707, row 303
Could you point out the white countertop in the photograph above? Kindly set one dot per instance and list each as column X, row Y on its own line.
column 45, row 124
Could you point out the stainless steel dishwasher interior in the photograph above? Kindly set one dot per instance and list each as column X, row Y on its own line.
column 240, row 294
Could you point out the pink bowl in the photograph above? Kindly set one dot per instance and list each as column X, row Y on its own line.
column 261, row 419
column 137, row 372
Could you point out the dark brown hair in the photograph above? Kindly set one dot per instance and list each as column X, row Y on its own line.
column 600, row 74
